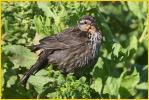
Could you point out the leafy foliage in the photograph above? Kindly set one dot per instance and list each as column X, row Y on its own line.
column 121, row 70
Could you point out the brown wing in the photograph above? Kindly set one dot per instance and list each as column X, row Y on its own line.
column 67, row 39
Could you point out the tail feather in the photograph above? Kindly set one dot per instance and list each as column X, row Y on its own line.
column 25, row 78
column 40, row 63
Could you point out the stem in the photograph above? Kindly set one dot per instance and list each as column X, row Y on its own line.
column 143, row 36
column 38, row 96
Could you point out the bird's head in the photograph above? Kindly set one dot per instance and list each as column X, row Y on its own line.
column 87, row 24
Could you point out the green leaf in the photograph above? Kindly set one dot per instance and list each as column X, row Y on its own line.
column 112, row 85
column 21, row 56
column 11, row 81
column 52, row 95
column 109, row 36
column 38, row 82
column 133, row 43
column 99, row 62
column 42, row 72
column 142, row 86
column 38, row 24
column 97, row 85
column 45, row 8
column 130, row 82
column 116, row 49
column 98, row 69
column 82, row 80
column 135, row 8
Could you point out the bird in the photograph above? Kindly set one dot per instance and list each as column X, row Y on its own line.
column 71, row 50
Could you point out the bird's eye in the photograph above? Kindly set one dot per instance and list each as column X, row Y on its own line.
column 85, row 22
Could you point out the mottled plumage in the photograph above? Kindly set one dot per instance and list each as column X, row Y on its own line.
column 71, row 50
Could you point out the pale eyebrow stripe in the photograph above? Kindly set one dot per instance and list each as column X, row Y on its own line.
column 82, row 21
column 88, row 21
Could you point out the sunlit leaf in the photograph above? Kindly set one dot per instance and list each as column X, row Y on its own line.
column 135, row 8
column 142, row 86
column 38, row 82
column 21, row 56
column 116, row 49
column 97, row 85
column 130, row 82
column 112, row 85
column 45, row 8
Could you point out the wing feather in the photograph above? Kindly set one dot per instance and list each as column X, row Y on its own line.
column 67, row 39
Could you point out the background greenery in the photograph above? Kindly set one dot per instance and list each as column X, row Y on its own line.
column 121, row 70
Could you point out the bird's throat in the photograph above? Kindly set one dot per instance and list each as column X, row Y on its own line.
column 95, row 41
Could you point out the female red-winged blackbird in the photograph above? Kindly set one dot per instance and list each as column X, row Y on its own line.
column 71, row 50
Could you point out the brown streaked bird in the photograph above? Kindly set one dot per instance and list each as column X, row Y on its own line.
column 71, row 50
